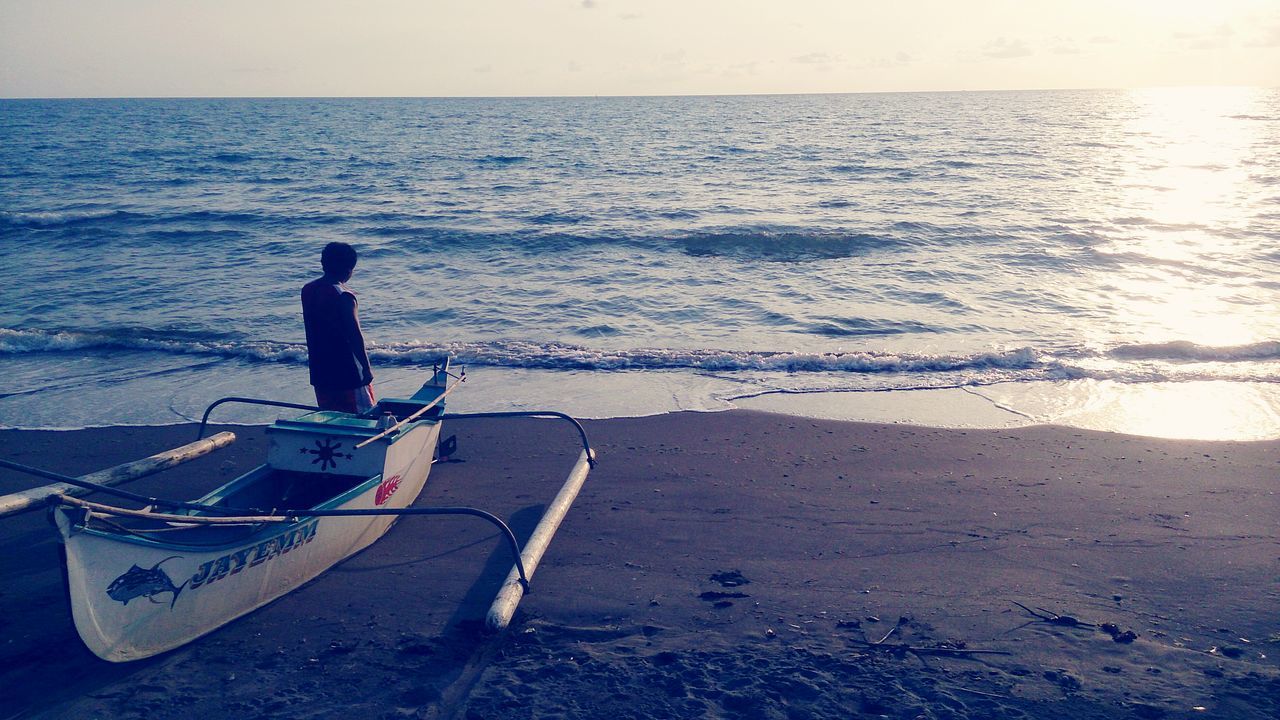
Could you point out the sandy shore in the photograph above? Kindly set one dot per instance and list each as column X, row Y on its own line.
column 736, row 564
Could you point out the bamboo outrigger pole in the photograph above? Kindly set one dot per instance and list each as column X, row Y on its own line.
column 35, row 497
column 504, row 605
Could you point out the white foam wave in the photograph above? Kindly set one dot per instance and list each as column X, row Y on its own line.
column 53, row 218
column 1129, row 363
column 20, row 342
column 1182, row 350
column 563, row 356
column 519, row 354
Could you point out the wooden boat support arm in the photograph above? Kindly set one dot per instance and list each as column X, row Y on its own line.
column 204, row 421
column 89, row 486
column 35, row 497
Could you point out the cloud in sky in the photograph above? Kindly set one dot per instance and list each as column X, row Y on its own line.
column 899, row 59
column 1210, row 39
column 1003, row 48
column 814, row 58
column 1063, row 45
column 1267, row 38
column 677, row 56
column 409, row 47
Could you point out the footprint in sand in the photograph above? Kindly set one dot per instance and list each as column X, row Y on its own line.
column 728, row 579
column 731, row 578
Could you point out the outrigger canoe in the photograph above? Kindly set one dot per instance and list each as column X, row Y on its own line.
column 143, row 585
column 144, row 581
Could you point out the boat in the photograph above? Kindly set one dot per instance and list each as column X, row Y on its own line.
column 143, row 581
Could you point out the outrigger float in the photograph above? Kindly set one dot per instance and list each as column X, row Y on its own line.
column 144, row 581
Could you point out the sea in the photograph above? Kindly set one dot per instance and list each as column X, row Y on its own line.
column 1098, row 258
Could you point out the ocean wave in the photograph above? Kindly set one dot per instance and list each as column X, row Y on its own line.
column 856, row 168
column 233, row 158
column 23, row 342
column 960, row 164
column 111, row 216
column 115, row 219
column 1157, row 362
column 501, row 159
column 859, row 327
column 549, row 230
column 556, row 356
column 1185, row 351
column 521, row 354
column 745, row 243
column 784, row 244
column 554, row 218
column 835, row 203
column 62, row 218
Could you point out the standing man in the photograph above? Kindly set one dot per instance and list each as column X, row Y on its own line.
column 336, row 356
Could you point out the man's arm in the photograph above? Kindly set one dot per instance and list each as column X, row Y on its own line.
column 355, row 338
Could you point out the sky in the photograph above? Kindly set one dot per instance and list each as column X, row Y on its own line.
column 214, row 48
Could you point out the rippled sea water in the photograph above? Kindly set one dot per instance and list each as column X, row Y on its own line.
column 632, row 255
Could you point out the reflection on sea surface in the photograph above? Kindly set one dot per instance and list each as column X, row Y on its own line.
column 1188, row 160
column 1195, row 410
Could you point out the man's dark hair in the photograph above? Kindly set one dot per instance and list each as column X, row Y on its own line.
column 337, row 258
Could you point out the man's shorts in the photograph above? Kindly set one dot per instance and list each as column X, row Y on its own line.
column 350, row 400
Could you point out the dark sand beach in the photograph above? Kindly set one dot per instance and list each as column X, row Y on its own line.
column 736, row 565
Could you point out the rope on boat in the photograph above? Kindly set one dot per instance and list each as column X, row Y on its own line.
column 416, row 414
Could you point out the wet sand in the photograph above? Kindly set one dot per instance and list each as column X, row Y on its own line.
column 736, row 564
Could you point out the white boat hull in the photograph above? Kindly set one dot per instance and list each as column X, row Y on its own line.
column 133, row 597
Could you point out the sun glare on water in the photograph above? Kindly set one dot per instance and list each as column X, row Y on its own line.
column 1191, row 151
column 1183, row 204
column 1183, row 230
column 1201, row 410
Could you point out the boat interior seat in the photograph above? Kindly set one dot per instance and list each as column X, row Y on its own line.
column 291, row 489
column 277, row 490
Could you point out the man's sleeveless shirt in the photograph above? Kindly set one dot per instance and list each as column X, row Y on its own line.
column 329, row 357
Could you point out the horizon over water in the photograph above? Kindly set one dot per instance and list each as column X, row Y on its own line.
column 1099, row 258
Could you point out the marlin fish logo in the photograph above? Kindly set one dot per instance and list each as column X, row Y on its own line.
column 142, row 582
